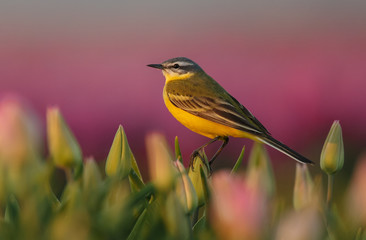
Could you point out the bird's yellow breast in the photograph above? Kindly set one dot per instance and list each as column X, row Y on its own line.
column 200, row 125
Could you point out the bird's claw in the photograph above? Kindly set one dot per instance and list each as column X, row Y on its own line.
column 193, row 157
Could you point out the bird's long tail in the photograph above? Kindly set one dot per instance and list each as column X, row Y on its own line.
column 284, row 149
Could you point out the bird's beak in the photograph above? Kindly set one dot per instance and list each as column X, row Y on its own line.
column 158, row 66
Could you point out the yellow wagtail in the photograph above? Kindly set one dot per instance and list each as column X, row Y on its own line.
column 202, row 105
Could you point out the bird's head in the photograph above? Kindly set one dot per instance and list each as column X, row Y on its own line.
column 178, row 68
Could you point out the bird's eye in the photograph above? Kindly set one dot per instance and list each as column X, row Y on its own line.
column 176, row 65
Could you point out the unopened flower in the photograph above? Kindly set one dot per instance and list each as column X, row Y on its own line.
column 356, row 197
column 303, row 190
column 332, row 155
column 162, row 172
column 92, row 179
column 301, row 225
column 259, row 173
column 63, row 146
column 197, row 173
column 120, row 159
column 237, row 211
column 20, row 138
column 185, row 190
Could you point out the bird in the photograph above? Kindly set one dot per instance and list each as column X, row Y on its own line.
column 202, row 105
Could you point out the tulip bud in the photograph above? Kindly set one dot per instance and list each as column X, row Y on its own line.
column 302, row 225
column 303, row 190
column 20, row 138
column 259, row 172
column 63, row 146
column 185, row 189
column 92, row 178
column 120, row 159
column 356, row 197
column 195, row 174
column 332, row 155
column 161, row 168
column 175, row 219
column 237, row 211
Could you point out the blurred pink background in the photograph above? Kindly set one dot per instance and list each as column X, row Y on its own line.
column 296, row 65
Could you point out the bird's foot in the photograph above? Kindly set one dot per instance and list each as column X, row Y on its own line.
column 203, row 159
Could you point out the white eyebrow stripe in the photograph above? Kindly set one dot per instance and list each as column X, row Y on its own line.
column 184, row 63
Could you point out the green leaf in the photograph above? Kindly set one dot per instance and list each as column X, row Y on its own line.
column 200, row 225
column 239, row 161
column 12, row 210
column 135, row 181
column 178, row 153
column 140, row 226
column 205, row 186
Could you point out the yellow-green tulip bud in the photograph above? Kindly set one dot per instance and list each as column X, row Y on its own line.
column 120, row 159
column 195, row 174
column 259, row 173
column 185, row 190
column 332, row 155
column 92, row 178
column 63, row 146
column 162, row 172
column 303, row 190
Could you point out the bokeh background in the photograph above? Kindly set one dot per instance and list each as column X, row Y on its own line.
column 296, row 65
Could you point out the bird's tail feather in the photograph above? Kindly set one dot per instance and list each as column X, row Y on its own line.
column 284, row 149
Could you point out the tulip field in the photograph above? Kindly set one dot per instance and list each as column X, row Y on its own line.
column 111, row 200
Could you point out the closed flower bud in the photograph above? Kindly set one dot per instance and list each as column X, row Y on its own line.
column 160, row 160
column 92, row 179
column 356, row 197
column 185, row 189
column 301, row 225
column 195, row 174
column 63, row 146
column 303, row 190
column 332, row 155
column 259, row 172
column 120, row 159
column 20, row 138
column 237, row 211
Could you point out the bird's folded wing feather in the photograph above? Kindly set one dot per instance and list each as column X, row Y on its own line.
column 220, row 111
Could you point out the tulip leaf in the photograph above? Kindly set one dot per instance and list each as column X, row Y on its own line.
column 12, row 210
column 135, row 181
column 239, row 161
column 178, row 153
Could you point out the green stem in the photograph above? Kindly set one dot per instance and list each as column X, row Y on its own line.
column 330, row 190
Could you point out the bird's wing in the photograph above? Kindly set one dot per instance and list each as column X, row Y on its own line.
column 220, row 111
column 250, row 116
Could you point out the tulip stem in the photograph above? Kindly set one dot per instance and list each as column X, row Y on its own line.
column 330, row 190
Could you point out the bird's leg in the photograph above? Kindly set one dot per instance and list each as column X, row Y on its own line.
column 225, row 141
column 196, row 152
